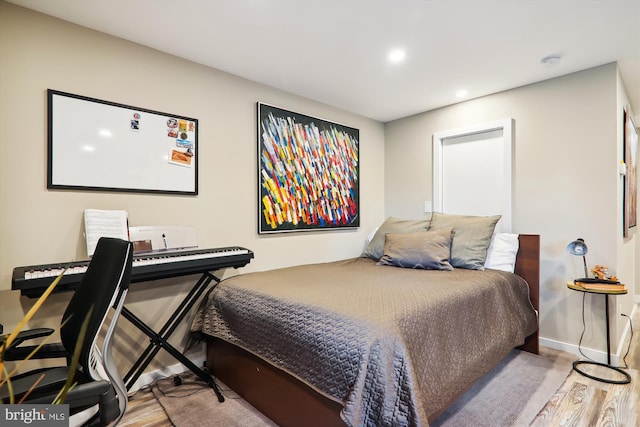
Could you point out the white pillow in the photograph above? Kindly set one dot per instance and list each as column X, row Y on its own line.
column 502, row 252
column 370, row 235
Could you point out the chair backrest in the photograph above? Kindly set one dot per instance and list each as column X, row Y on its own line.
column 103, row 285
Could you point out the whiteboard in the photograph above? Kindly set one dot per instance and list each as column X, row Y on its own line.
column 101, row 145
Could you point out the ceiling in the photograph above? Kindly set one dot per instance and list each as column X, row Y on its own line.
column 336, row 51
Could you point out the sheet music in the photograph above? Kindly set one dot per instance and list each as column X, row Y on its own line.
column 165, row 237
column 104, row 223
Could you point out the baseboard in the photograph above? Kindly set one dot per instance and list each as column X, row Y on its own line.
column 597, row 355
column 150, row 377
column 626, row 335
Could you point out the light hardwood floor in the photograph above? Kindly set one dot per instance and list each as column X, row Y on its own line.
column 144, row 411
column 579, row 402
column 582, row 401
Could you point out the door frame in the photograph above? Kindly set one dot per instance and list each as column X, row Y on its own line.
column 439, row 138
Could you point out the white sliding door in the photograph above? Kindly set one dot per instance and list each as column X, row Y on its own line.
column 472, row 171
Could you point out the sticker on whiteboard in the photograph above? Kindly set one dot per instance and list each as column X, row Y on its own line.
column 182, row 125
column 181, row 158
column 192, row 126
column 172, row 123
column 172, row 133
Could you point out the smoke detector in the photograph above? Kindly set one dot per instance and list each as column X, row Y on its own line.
column 550, row 61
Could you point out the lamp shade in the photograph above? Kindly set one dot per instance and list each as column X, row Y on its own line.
column 578, row 247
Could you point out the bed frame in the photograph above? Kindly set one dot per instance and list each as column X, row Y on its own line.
column 290, row 402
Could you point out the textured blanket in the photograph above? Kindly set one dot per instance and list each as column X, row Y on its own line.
column 393, row 345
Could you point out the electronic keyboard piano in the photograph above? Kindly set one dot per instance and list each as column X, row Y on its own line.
column 33, row 280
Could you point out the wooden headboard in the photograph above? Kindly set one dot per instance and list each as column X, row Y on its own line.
column 528, row 267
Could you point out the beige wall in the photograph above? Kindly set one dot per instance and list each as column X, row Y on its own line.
column 39, row 226
column 563, row 127
column 566, row 185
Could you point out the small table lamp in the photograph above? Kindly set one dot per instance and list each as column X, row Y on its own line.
column 579, row 247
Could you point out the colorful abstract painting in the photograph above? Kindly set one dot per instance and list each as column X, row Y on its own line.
column 308, row 172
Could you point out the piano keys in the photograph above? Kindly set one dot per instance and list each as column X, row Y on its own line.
column 33, row 280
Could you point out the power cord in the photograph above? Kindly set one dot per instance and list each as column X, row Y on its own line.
column 624, row 358
column 167, row 387
column 177, row 380
column 166, row 384
column 584, row 327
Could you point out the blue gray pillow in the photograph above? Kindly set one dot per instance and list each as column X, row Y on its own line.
column 428, row 250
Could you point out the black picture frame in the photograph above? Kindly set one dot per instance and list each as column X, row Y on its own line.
column 98, row 145
column 630, row 208
column 308, row 173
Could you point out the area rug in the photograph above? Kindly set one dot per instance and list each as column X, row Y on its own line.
column 194, row 404
column 511, row 394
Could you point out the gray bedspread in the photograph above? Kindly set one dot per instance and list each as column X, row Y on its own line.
column 393, row 345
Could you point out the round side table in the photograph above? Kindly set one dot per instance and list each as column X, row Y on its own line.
column 577, row 363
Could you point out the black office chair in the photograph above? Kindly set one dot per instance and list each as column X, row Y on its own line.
column 100, row 398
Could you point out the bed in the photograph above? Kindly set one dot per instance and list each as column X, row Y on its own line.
column 357, row 343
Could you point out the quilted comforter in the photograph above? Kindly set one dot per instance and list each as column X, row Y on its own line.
column 392, row 345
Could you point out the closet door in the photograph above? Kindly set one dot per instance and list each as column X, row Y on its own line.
column 472, row 171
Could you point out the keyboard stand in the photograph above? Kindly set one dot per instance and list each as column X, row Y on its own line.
column 159, row 339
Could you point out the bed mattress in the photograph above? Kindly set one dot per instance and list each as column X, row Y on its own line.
column 392, row 345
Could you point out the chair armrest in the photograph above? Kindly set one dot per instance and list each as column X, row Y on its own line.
column 27, row 335
column 47, row 351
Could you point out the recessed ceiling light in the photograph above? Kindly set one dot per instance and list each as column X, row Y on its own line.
column 396, row 56
column 462, row 93
column 550, row 60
